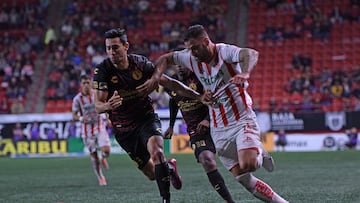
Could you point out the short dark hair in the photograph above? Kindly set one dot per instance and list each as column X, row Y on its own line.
column 116, row 32
column 84, row 77
column 195, row 31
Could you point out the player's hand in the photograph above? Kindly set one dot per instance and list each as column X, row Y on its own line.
column 149, row 86
column 168, row 133
column 207, row 98
column 115, row 101
column 203, row 127
column 240, row 79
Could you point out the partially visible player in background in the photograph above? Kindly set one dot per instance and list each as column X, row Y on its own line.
column 93, row 127
column 197, row 119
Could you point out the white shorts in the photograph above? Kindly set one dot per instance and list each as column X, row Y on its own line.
column 229, row 140
column 97, row 141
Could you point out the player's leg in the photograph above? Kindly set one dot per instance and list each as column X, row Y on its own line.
column 91, row 145
column 104, row 144
column 151, row 136
column 162, row 176
column 250, row 158
column 204, row 151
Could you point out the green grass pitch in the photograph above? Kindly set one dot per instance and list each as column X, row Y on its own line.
column 308, row 177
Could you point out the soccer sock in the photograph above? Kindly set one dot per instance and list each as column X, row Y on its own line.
column 218, row 183
column 163, row 180
column 96, row 167
column 259, row 189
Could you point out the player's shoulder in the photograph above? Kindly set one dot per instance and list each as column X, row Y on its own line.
column 137, row 58
column 106, row 62
column 103, row 66
column 76, row 97
column 226, row 47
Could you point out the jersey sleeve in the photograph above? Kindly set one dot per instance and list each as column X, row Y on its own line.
column 75, row 105
column 182, row 58
column 230, row 53
column 149, row 68
column 99, row 79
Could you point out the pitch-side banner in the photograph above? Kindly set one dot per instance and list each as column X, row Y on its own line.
column 333, row 121
column 303, row 142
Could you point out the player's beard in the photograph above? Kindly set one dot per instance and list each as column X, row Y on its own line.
column 118, row 60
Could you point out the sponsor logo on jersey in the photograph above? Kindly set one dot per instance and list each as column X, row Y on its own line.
column 114, row 79
column 137, row 74
column 95, row 84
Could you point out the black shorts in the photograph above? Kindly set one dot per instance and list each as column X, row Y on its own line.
column 134, row 142
column 200, row 143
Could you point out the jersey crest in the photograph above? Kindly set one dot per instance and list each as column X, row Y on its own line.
column 137, row 74
column 193, row 86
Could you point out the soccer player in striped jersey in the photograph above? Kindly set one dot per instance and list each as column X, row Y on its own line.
column 136, row 125
column 196, row 116
column 223, row 70
column 93, row 127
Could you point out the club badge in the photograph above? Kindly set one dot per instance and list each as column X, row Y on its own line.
column 137, row 74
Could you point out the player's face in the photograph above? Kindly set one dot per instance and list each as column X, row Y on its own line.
column 199, row 48
column 182, row 72
column 85, row 87
column 116, row 51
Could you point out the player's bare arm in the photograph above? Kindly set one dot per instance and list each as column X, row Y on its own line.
column 203, row 126
column 179, row 87
column 160, row 66
column 102, row 106
column 248, row 59
column 76, row 116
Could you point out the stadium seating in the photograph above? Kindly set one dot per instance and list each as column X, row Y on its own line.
column 339, row 52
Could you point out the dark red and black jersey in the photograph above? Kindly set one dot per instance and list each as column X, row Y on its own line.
column 193, row 111
column 134, row 107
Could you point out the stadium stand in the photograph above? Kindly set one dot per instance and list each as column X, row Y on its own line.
column 312, row 29
column 305, row 47
column 20, row 44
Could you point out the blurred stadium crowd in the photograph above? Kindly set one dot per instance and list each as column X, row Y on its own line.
column 309, row 49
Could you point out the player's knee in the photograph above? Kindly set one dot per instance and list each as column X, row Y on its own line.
column 157, row 156
column 208, row 163
column 248, row 166
column 105, row 154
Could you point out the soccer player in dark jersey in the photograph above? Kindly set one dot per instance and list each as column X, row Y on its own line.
column 197, row 119
column 136, row 125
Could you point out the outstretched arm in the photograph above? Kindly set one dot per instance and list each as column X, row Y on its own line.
column 179, row 87
column 173, row 108
column 160, row 66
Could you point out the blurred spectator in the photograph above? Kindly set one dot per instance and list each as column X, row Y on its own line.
column 353, row 138
column 4, row 107
column 50, row 36
column 35, row 131
column 72, row 129
column 50, row 133
column 17, row 106
column 18, row 133
column 281, row 141
column 273, row 105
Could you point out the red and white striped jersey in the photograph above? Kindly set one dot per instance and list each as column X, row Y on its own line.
column 85, row 105
column 232, row 102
